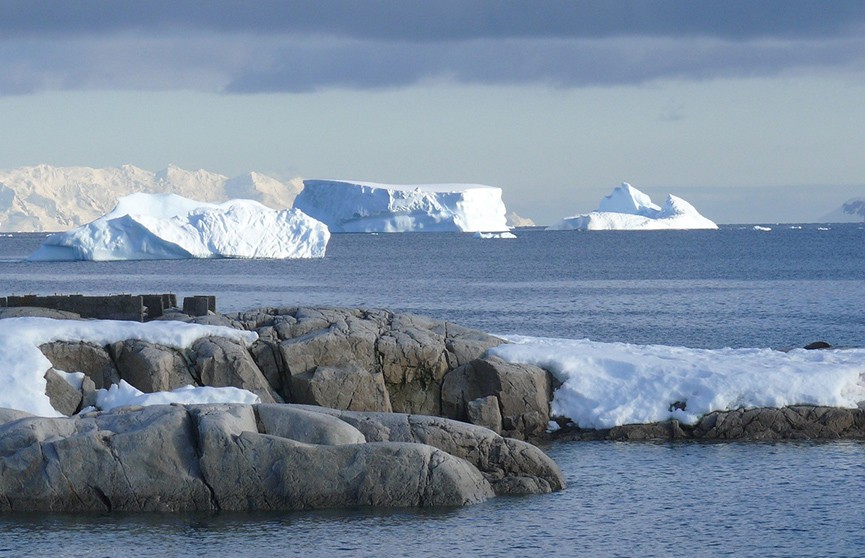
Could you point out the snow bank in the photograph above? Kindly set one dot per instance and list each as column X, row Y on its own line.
column 22, row 375
column 627, row 208
column 347, row 206
column 610, row 384
column 168, row 226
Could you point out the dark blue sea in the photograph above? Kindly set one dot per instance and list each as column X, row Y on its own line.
column 734, row 287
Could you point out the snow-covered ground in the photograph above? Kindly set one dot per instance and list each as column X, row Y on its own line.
column 348, row 206
column 610, row 384
column 168, row 226
column 22, row 375
column 603, row 384
column 627, row 208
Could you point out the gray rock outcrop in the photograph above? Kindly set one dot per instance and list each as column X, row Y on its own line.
column 350, row 359
column 256, row 457
column 150, row 367
column 511, row 466
column 61, row 394
column 93, row 360
column 796, row 422
column 522, row 393
column 386, row 361
column 220, row 362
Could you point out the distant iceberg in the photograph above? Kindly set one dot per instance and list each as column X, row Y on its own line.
column 347, row 206
column 494, row 235
column 168, row 226
column 627, row 208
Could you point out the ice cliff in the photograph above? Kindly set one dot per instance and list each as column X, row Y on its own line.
column 347, row 206
column 47, row 198
column 168, row 226
column 627, row 208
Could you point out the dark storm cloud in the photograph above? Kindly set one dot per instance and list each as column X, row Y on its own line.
column 271, row 46
column 442, row 20
column 557, row 63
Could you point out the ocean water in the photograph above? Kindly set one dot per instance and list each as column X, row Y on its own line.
column 734, row 287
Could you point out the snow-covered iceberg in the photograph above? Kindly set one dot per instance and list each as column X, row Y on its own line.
column 612, row 384
column 168, row 226
column 627, row 208
column 347, row 206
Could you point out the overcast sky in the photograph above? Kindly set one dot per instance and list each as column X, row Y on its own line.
column 752, row 110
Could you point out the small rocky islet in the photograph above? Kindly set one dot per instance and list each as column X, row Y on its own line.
column 358, row 408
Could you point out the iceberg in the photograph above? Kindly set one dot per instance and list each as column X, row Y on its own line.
column 613, row 384
column 347, row 206
column 167, row 226
column 627, row 208
column 47, row 198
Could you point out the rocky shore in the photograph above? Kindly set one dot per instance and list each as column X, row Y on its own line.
column 796, row 422
column 257, row 457
column 357, row 407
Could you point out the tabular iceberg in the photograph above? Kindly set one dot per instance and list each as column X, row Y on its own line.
column 347, row 206
column 168, row 226
column 627, row 208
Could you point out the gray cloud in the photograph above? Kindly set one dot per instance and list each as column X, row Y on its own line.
column 273, row 46
column 441, row 20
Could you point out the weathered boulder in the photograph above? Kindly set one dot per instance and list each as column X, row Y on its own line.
column 523, row 393
column 501, row 460
column 329, row 338
column 484, row 411
column 91, row 359
column 466, row 344
column 150, row 367
column 63, row 397
column 347, row 387
column 265, row 353
column 302, row 425
column 220, row 362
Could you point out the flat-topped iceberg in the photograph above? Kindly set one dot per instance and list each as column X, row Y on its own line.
column 168, row 226
column 347, row 206
column 627, row 208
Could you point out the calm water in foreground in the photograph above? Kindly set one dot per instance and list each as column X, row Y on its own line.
column 734, row 287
